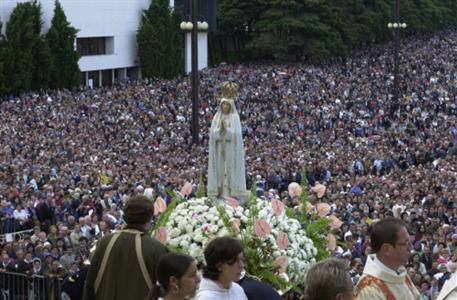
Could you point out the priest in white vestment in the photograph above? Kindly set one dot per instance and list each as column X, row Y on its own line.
column 449, row 290
column 384, row 276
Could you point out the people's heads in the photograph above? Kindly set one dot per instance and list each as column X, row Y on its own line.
column 424, row 286
column 416, row 258
column 71, row 220
column 177, row 274
column 69, row 249
column 53, row 229
column 20, row 254
column 224, row 259
column 357, row 264
column 328, row 280
column 48, row 259
column 391, row 242
column 36, row 263
column 42, row 236
column 138, row 210
column 63, row 231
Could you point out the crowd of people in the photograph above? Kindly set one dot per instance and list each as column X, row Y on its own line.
column 70, row 159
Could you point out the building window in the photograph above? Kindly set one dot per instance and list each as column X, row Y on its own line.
column 91, row 46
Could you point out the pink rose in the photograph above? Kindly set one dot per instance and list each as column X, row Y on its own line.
column 278, row 207
column 323, row 209
column 331, row 242
column 262, row 228
column 295, row 189
column 159, row 206
column 236, row 223
column 336, row 223
column 283, row 240
column 281, row 263
column 161, row 235
column 186, row 190
column 232, row 202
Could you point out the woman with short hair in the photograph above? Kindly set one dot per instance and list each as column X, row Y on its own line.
column 224, row 259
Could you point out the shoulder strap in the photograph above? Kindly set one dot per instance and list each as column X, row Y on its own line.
column 139, row 255
column 131, row 231
column 98, row 280
column 369, row 280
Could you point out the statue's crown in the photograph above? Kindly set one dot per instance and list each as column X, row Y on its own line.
column 229, row 89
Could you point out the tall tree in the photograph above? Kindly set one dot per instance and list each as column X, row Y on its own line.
column 2, row 64
column 27, row 63
column 20, row 41
column 159, row 41
column 294, row 29
column 316, row 29
column 64, row 71
column 236, row 20
column 41, row 54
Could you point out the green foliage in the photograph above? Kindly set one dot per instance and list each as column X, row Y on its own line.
column 27, row 55
column 201, row 187
column 163, row 218
column 317, row 29
column 64, row 70
column 159, row 41
column 2, row 64
column 303, row 197
column 255, row 254
column 225, row 218
column 316, row 231
column 258, row 257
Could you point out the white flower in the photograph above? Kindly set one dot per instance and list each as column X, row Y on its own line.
column 184, row 244
column 189, row 228
column 195, row 222
column 174, row 232
column 173, row 242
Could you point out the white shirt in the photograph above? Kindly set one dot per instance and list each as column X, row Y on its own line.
column 212, row 290
column 20, row 214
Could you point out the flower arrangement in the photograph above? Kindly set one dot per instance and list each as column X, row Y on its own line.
column 276, row 247
column 193, row 223
column 286, row 237
column 279, row 242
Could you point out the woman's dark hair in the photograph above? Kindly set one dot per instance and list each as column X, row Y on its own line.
column 220, row 250
column 171, row 264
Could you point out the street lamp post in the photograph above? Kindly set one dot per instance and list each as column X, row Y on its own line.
column 396, row 26
column 194, row 42
column 194, row 26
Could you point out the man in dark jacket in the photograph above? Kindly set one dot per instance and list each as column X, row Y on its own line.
column 116, row 271
column 256, row 290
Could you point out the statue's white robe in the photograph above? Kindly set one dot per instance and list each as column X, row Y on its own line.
column 226, row 169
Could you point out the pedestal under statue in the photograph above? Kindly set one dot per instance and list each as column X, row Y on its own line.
column 226, row 170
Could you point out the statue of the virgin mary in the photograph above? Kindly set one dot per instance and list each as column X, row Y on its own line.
column 226, row 171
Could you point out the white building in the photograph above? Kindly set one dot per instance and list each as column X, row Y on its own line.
column 106, row 37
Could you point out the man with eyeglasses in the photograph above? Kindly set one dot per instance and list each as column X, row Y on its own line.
column 384, row 276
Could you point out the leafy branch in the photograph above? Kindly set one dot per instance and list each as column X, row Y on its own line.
column 200, row 188
column 165, row 216
column 303, row 198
